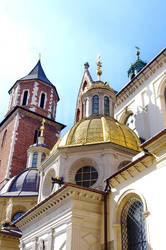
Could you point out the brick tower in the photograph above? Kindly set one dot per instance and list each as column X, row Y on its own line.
column 32, row 98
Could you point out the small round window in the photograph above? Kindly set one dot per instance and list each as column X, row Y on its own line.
column 86, row 176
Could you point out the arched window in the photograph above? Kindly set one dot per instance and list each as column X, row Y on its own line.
column 34, row 160
column 95, row 105
column 4, row 139
column 130, row 121
column 36, row 135
column 133, row 226
column 78, row 115
column 86, row 176
column 16, row 216
column 42, row 100
column 106, row 105
column 25, row 97
column 43, row 157
column 165, row 96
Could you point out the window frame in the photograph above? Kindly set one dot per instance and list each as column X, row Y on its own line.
column 34, row 159
column 106, row 106
column 23, row 96
column 95, row 105
column 41, row 101
column 86, row 174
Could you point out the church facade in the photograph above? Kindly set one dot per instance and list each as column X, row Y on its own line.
column 102, row 185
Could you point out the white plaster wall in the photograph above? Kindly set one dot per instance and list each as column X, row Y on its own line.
column 106, row 162
column 75, row 223
column 145, row 104
column 150, row 185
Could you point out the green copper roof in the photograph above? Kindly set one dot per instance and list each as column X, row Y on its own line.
column 136, row 67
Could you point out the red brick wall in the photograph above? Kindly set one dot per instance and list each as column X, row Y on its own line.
column 42, row 87
column 27, row 124
column 25, row 138
column 5, row 150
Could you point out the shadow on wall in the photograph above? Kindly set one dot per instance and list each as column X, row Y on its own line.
column 148, row 121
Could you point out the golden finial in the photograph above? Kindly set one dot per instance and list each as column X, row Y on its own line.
column 138, row 52
column 42, row 127
column 99, row 65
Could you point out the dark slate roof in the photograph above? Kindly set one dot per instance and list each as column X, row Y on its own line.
column 25, row 183
column 37, row 73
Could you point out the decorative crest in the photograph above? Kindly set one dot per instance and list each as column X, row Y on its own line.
column 99, row 65
column 42, row 127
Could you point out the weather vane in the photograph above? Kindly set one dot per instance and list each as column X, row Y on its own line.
column 42, row 127
column 138, row 52
column 99, row 65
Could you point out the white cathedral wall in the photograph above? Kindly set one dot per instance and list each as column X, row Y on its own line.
column 50, row 228
column 150, row 186
column 74, row 222
column 66, row 164
column 146, row 102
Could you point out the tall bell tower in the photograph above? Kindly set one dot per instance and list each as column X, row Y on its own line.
column 32, row 98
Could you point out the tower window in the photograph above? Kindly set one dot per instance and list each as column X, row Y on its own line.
column 106, row 105
column 34, row 160
column 78, row 115
column 86, row 176
column 130, row 121
column 133, row 225
column 42, row 100
column 95, row 105
column 43, row 157
column 36, row 135
column 25, row 97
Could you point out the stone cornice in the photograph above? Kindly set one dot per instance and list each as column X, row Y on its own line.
column 142, row 161
column 9, row 235
column 68, row 191
column 17, row 109
column 141, row 77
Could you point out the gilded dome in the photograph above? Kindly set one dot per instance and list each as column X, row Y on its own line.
column 99, row 129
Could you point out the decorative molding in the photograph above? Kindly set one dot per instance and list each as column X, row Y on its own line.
column 54, row 201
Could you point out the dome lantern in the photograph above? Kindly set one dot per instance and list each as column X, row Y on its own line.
column 137, row 66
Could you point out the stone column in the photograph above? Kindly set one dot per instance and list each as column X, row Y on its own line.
column 21, row 246
column 50, row 239
column 117, row 236
column 34, row 246
column 9, row 211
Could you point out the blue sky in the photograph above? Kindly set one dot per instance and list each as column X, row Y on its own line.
column 70, row 33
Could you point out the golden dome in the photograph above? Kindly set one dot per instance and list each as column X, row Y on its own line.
column 99, row 129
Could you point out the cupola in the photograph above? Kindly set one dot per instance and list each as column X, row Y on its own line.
column 96, row 98
column 38, row 151
column 136, row 67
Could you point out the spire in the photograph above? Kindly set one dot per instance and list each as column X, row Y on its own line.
column 37, row 73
